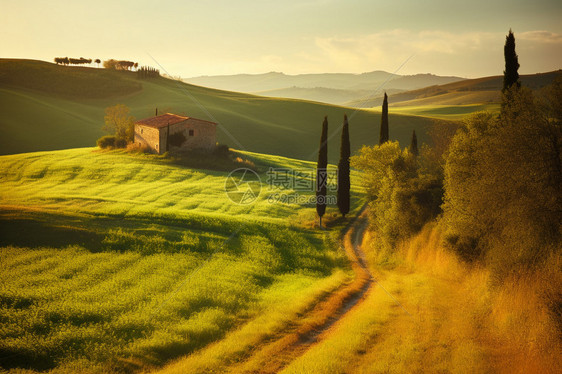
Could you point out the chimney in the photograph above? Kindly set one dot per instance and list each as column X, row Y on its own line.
column 156, row 111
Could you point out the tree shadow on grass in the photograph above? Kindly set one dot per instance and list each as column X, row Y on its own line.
column 32, row 234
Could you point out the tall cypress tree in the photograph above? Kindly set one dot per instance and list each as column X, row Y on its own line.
column 343, row 170
column 510, row 74
column 322, row 173
column 383, row 137
column 414, row 144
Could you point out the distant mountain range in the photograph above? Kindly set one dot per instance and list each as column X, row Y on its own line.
column 333, row 88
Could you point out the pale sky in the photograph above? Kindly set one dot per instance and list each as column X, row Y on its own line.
column 212, row 37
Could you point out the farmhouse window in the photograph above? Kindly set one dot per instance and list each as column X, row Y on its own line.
column 191, row 132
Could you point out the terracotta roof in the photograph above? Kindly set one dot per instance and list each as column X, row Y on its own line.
column 168, row 119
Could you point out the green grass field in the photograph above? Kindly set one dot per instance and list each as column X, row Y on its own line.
column 49, row 107
column 117, row 261
column 444, row 112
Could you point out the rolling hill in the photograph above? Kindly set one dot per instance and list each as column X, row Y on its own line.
column 48, row 107
column 333, row 88
column 323, row 95
column 485, row 90
column 343, row 81
column 114, row 261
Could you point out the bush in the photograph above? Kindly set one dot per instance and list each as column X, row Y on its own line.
column 120, row 143
column 403, row 196
column 110, row 141
column 107, row 141
column 222, row 150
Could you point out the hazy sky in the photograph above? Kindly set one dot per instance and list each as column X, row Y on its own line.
column 190, row 38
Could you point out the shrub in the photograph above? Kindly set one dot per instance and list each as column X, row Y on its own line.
column 222, row 150
column 403, row 195
column 107, row 141
column 120, row 143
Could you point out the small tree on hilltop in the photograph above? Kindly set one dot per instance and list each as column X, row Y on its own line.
column 110, row 64
column 343, row 170
column 119, row 123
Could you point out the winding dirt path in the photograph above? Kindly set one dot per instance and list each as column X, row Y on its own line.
column 308, row 331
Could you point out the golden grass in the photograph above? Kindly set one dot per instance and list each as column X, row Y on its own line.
column 462, row 322
column 457, row 319
column 524, row 324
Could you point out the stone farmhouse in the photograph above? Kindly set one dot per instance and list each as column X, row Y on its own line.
column 170, row 132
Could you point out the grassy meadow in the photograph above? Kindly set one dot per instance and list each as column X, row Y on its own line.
column 118, row 261
column 444, row 112
column 49, row 107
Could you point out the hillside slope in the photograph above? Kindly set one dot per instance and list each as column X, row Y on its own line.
column 40, row 116
column 114, row 262
column 467, row 92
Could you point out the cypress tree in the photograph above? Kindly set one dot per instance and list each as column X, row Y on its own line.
column 343, row 170
column 510, row 74
column 414, row 144
column 383, row 137
column 322, row 173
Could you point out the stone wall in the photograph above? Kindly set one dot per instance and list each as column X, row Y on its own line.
column 195, row 135
column 146, row 136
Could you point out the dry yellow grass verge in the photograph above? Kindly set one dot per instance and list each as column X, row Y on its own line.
column 462, row 321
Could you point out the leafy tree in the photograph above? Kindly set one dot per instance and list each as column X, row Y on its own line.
column 322, row 173
column 62, row 60
column 414, row 144
column 119, row 123
column 118, row 64
column 98, row 62
column 383, row 137
column 440, row 135
column 510, row 74
column 503, row 201
column 402, row 196
column 110, row 64
column 343, row 170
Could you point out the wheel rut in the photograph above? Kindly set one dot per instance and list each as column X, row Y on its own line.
column 311, row 328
